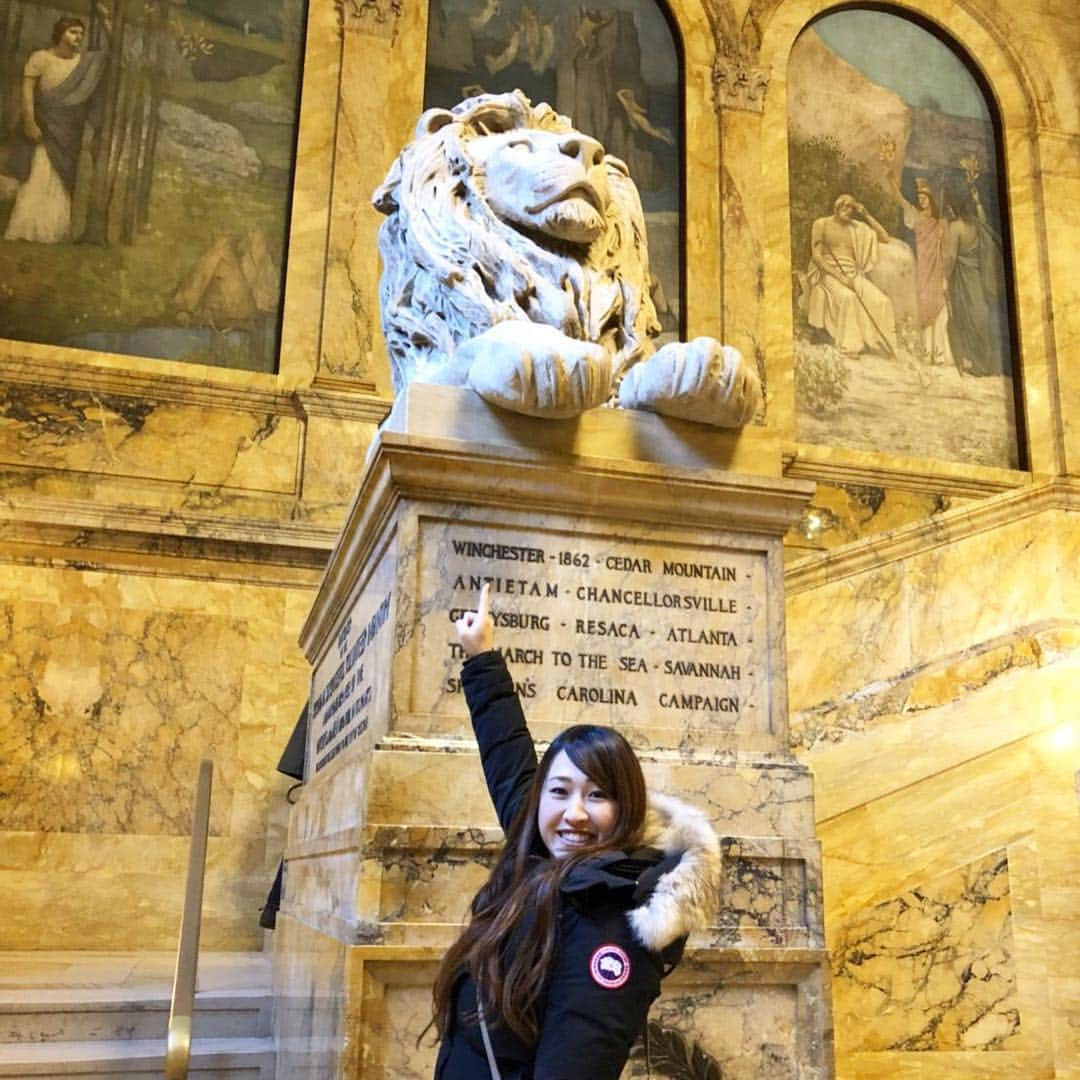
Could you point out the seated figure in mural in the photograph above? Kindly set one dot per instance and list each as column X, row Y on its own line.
column 841, row 299
column 515, row 262
column 59, row 91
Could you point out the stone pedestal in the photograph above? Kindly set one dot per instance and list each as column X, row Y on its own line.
column 636, row 581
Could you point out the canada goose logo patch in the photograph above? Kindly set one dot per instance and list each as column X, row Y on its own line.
column 609, row 967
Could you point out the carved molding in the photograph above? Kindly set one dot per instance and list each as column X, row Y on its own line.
column 907, row 541
column 830, row 465
column 737, row 84
column 88, row 535
column 376, row 17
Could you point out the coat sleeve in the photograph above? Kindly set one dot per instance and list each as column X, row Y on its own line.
column 598, row 999
column 506, row 747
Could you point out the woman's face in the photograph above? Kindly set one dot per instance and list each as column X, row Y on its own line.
column 574, row 811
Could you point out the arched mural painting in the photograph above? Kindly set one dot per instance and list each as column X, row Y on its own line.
column 146, row 163
column 612, row 67
column 903, row 339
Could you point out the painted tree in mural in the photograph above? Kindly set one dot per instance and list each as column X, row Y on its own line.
column 128, row 133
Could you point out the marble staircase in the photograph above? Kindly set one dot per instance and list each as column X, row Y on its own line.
column 99, row 1016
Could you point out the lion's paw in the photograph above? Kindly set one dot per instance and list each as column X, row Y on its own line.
column 534, row 369
column 698, row 380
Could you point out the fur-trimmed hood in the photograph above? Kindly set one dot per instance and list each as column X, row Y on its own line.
column 685, row 898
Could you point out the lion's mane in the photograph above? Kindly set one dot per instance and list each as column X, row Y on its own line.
column 452, row 268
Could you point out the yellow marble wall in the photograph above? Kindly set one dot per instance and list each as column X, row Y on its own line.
column 932, row 623
column 841, row 513
column 117, row 685
column 162, row 531
column 939, row 722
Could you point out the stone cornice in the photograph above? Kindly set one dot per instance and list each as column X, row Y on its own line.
column 874, row 551
column 343, row 403
column 91, row 535
column 829, row 466
column 234, row 391
column 446, row 470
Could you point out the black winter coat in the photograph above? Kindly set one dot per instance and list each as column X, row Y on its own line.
column 603, row 979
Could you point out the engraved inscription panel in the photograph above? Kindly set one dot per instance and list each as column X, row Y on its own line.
column 350, row 688
column 656, row 633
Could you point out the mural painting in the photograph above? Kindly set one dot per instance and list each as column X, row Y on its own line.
column 902, row 324
column 611, row 67
column 146, row 159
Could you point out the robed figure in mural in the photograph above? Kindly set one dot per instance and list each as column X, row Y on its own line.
column 58, row 95
column 974, row 270
column 600, row 84
column 931, row 231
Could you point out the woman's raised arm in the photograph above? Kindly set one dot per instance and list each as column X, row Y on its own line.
column 506, row 748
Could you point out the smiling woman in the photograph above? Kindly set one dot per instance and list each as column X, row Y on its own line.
column 588, row 905
column 575, row 811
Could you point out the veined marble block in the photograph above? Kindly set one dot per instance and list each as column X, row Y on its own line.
column 945, row 758
column 116, row 686
column 626, row 590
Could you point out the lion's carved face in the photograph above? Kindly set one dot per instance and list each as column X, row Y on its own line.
column 470, row 204
column 553, row 183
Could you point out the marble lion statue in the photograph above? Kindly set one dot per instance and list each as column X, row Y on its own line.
column 515, row 262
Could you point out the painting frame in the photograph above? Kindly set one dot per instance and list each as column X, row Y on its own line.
column 844, row 395
column 180, row 199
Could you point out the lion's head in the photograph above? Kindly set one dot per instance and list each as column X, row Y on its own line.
column 501, row 210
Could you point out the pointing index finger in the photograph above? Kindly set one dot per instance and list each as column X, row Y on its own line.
column 482, row 608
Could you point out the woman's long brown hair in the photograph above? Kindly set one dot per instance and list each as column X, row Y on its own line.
column 521, row 896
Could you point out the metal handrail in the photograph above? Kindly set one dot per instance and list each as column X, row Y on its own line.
column 178, row 1043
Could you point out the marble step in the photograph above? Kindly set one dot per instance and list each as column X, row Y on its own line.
column 39, row 1015
column 137, row 1059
